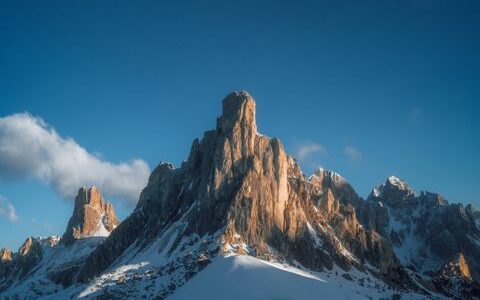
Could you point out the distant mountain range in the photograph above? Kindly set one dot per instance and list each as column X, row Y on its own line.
column 240, row 220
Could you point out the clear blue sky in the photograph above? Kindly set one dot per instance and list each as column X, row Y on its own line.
column 368, row 88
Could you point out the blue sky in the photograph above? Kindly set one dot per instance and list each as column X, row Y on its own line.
column 366, row 88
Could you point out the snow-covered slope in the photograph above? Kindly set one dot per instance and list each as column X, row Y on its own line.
column 45, row 266
column 57, row 262
column 245, row 277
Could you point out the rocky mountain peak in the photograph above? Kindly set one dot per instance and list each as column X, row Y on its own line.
column 394, row 192
column 242, row 192
column 92, row 216
column 433, row 198
column 329, row 180
column 29, row 254
column 5, row 255
column 27, row 246
column 397, row 183
column 238, row 109
column 321, row 174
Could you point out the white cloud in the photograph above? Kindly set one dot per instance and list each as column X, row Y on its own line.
column 352, row 153
column 30, row 148
column 8, row 210
column 306, row 149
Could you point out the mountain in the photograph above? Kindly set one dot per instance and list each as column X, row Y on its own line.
column 44, row 266
column 91, row 216
column 429, row 235
column 240, row 220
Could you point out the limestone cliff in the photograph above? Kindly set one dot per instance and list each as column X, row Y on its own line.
column 92, row 216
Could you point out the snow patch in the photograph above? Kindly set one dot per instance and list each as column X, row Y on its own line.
column 316, row 240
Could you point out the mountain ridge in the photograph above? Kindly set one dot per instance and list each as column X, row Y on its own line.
column 239, row 193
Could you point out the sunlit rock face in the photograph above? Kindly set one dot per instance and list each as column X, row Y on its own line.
column 5, row 259
column 247, row 189
column 92, row 216
column 455, row 280
column 5, row 255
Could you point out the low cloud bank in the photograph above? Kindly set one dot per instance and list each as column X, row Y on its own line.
column 30, row 148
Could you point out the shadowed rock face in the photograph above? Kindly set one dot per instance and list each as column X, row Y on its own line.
column 244, row 185
column 17, row 266
column 91, row 216
column 29, row 254
column 438, row 240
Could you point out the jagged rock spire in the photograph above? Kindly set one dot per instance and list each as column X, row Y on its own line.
column 233, row 143
column 29, row 254
column 237, row 123
column 238, row 109
column 5, row 255
column 92, row 216
column 395, row 192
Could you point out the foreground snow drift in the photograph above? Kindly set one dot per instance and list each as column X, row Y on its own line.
column 246, row 277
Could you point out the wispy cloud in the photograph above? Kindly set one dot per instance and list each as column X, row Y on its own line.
column 309, row 148
column 352, row 153
column 8, row 210
column 30, row 148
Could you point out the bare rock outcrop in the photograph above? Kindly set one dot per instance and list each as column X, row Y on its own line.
column 5, row 255
column 29, row 254
column 5, row 261
column 92, row 216
column 457, row 267
column 455, row 280
column 16, row 266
